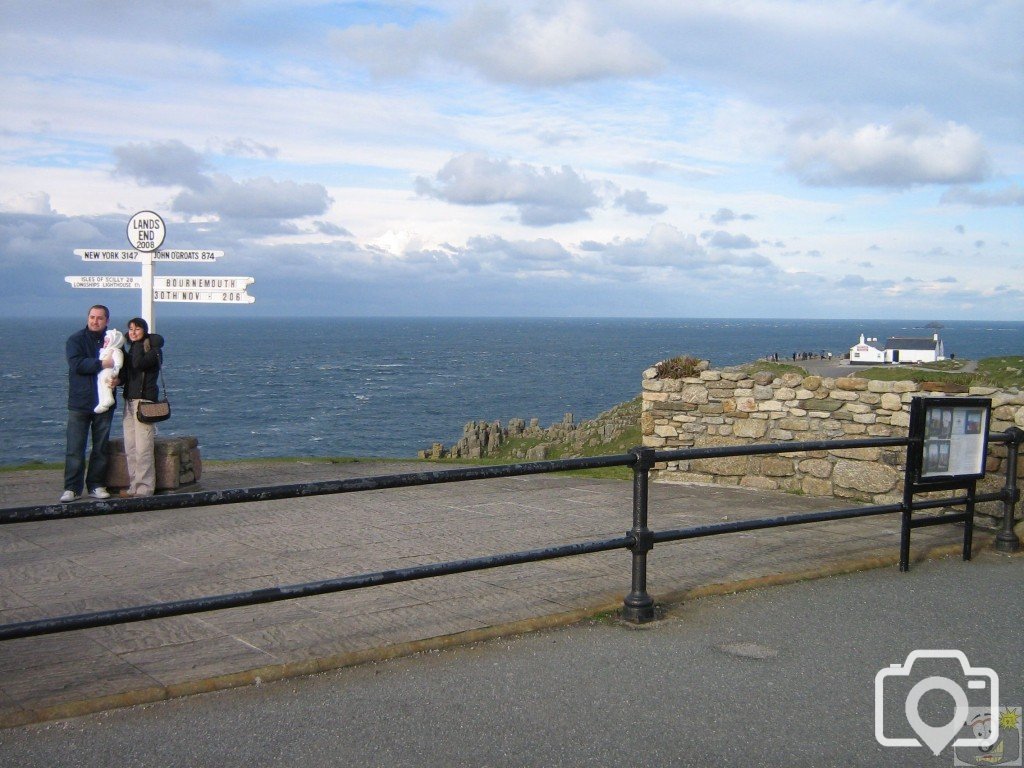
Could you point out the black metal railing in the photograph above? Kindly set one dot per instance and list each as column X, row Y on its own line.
column 638, row 605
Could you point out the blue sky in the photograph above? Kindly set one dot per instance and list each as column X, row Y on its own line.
column 759, row 158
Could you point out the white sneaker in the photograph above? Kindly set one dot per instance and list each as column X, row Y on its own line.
column 99, row 493
column 68, row 496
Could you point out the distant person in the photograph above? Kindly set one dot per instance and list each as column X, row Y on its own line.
column 139, row 377
column 82, row 350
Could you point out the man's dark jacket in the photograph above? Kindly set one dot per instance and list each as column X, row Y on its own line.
column 82, row 350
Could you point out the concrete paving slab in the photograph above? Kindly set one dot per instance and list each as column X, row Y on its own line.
column 85, row 564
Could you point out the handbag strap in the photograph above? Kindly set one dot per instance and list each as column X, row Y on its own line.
column 163, row 387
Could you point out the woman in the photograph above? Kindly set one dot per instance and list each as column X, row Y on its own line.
column 139, row 376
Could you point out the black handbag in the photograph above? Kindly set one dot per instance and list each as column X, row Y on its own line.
column 151, row 413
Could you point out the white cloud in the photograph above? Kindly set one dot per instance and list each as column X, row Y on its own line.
column 636, row 201
column 901, row 154
column 168, row 163
column 261, row 198
column 728, row 241
column 667, row 246
column 172, row 163
column 30, row 202
column 1012, row 195
column 726, row 215
column 543, row 196
column 546, row 45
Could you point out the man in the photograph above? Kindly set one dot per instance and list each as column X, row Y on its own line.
column 82, row 350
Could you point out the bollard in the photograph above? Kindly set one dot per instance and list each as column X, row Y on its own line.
column 1006, row 539
column 638, row 606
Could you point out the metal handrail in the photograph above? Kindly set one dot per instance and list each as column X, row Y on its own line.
column 638, row 605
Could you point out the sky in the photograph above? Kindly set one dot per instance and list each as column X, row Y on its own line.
column 589, row 158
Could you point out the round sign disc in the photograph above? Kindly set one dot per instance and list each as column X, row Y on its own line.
column 146, row 231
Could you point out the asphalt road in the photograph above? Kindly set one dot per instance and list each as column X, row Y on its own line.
column 781, row 676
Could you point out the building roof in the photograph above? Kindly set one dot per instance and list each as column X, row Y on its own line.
column 895, row 342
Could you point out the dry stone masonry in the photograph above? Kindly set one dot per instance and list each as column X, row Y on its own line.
column 730, row 407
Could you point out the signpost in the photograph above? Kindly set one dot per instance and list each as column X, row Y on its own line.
column 146, row 233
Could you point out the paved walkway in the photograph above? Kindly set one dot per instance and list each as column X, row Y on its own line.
column 88, row 564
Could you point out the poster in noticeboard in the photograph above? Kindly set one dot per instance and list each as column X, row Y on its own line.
column 953, row 437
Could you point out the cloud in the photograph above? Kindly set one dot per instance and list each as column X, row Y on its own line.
column 247, row 148
column 636, row 201
column 1012, row 195
column 519, row 255
column 173, row 163
column 544, row 46
column 261, row 198
column 726, row 240
column 667, row 246
column 30, row 202
column 857, row 282
column 332, row 230
column 162, row 164
column 725, row 215
column 911, row 151
column 542, row 196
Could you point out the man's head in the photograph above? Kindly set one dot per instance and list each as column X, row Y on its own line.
column 98, row 317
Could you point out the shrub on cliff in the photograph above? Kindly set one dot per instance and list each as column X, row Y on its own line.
column 681, row 367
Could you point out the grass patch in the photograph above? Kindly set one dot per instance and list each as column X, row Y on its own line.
column 293, row 460
column 902, row 373
column 1002, row 372
column 32, row 465
column 777, row 369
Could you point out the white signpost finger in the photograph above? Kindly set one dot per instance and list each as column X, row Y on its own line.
column 206, row 290
column 205, row 297
column 106, row 254
column 103, row 281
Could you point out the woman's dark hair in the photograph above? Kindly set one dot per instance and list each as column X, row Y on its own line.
column 141, row 324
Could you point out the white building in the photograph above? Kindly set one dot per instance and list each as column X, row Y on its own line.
column 897, row 350
column 901, row 350
column 865, row 352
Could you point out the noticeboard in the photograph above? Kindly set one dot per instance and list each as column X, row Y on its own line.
column 949, row 438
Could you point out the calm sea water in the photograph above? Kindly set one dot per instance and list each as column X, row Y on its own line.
column 390, row 387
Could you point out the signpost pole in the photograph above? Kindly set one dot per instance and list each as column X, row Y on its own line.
column 147, row 291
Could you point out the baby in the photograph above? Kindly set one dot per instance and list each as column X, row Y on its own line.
column 112, row 343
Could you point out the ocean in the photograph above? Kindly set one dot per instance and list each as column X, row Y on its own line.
column 389, row 387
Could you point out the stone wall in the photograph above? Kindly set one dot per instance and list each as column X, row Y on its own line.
column 730, row 407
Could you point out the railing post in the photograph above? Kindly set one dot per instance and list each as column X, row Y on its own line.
column 638, row 606
column 1006, row 539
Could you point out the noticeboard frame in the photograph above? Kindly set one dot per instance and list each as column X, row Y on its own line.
column 948, row 440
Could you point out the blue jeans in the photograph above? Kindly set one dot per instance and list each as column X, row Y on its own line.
column 80, row 424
